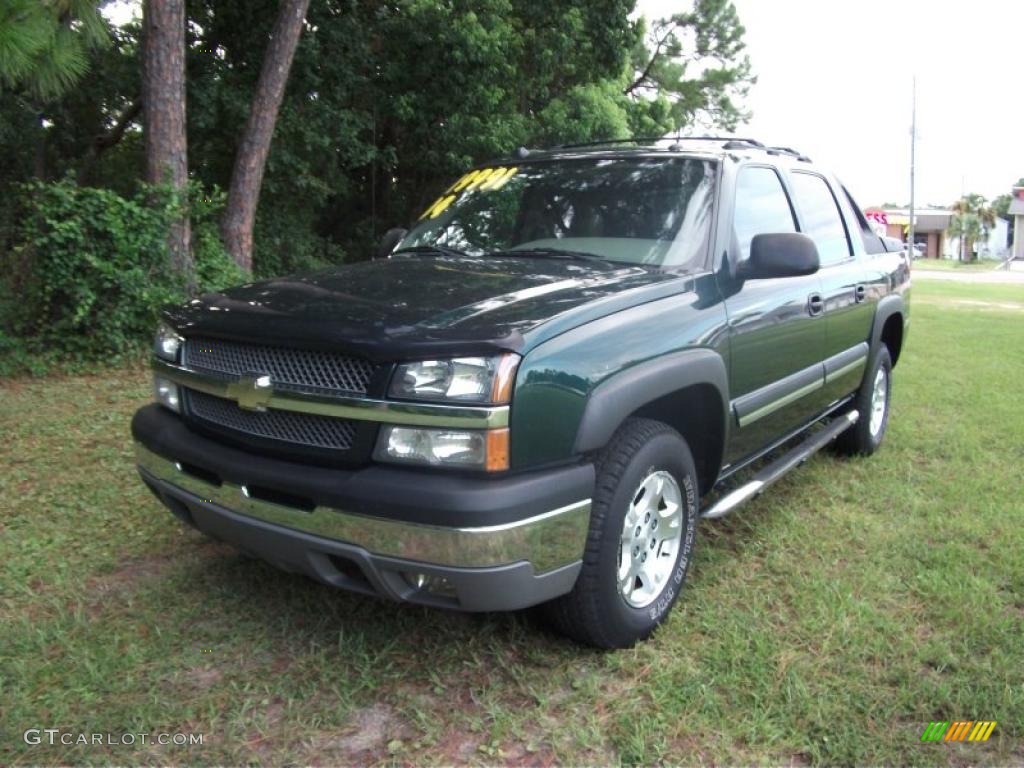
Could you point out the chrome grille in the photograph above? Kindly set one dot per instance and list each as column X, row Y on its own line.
column 288, row 426
column 287, row 368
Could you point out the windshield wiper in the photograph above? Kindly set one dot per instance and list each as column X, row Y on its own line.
column 553, row 253
column 444, row 250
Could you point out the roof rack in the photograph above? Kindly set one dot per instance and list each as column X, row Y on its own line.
column 727, row 143
column 727, row 140
column 788, row 151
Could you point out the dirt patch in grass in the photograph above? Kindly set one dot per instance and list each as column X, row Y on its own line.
column 204, row 678
column 456, row 747
column 372, row 734
column 129, row 574
column 372, row 727
column 263, row 744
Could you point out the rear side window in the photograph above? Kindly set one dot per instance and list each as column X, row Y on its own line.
column 820, row 215
column 872, row 242
column 761, row 207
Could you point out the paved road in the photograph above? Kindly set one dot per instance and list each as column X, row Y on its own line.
column 996, row 276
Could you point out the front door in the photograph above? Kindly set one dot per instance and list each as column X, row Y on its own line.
column 776, row 326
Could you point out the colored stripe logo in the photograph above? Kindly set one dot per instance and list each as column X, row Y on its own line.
column 960, row 730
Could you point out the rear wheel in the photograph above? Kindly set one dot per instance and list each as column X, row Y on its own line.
column 872, row 401
column 642, row 528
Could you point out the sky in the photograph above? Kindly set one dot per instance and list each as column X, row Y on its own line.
column 835, row 82
column 121, row 11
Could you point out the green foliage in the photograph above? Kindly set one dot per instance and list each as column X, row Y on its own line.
column 44, row 44
column 215, row 268
column 386, row 104
column 1001, row 205
column 88, row 269
column 690, row 69
column 585, row 112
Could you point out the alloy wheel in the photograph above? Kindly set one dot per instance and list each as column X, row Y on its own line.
column 650, row 539
column 879, row 401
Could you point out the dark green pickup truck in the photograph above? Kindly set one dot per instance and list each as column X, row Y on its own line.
column 534, row 394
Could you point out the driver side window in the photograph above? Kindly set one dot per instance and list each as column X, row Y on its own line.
column 762, row 206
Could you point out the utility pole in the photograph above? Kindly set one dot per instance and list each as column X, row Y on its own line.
column 913, row 147
column 963, row 220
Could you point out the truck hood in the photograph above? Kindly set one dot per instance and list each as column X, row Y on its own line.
column 411, row 305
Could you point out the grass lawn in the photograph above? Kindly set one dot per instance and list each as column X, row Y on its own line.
column 949, row 294
column 952, row 265
column 827, row 622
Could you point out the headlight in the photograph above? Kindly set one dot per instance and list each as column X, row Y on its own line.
column 166, row 393
column 465, row 379
column 466, row 448
column 167, row 343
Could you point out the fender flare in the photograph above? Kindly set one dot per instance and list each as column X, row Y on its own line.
column 615, row 398
column 887, row 307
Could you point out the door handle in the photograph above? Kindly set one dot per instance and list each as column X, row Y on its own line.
column 815, row 304
column 860, row 293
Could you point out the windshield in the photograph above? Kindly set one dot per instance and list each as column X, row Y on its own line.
column 645, row 210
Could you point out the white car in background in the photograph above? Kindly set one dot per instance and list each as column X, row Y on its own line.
column 918, row 252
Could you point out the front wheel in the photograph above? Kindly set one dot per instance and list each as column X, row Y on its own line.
column 642, row 528
column 872, row 401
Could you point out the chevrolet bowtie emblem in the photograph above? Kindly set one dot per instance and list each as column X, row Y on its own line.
column 252, row 391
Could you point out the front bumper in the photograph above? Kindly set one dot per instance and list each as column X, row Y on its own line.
column 521, row 545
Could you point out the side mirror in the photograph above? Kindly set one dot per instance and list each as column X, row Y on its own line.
column 387, row 243
column 788, row 254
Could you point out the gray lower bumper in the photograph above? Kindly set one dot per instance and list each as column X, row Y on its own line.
column 503, row 567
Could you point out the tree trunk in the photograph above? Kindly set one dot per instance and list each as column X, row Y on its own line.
column 251, row 158
column 163, row 99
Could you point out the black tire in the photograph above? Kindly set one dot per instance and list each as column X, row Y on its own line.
column 859, row 440
column 595, row 612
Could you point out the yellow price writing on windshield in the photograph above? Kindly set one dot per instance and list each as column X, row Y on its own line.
column 483, row 179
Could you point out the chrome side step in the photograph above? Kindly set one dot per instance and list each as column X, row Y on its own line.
column 790, row 460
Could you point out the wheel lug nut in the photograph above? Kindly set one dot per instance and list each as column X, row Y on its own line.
column 647, row 517
column 653, row 542
column 637, row 531
column 654, row 524
column 643, row 558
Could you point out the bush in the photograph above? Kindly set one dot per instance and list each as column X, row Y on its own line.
column 285, row 243
column 215, row 269
column 88, row 272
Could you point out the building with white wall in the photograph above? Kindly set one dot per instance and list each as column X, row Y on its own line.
column 1017, row 211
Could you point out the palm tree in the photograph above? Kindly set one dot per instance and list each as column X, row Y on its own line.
column 973, row 218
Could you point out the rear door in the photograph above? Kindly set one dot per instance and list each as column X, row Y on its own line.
column 849, row 304
column 776, row 328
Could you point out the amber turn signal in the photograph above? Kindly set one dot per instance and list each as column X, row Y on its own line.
column 497, row 450
column 504, row 378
